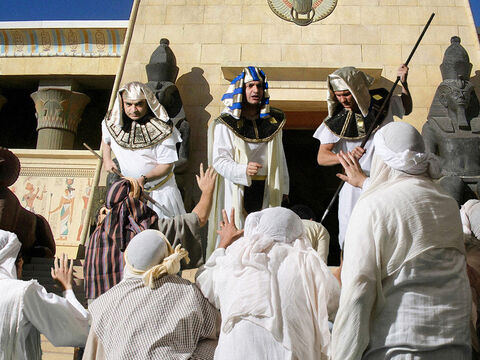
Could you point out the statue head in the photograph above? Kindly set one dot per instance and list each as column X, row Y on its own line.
column 456, row 95
column 163, row 64
column 456, row 63
column 162, row 73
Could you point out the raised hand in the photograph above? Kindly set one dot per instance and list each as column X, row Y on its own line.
column 62, row 272
column 228, row 231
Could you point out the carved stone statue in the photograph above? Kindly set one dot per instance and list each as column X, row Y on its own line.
column 162, row 73
column 452, row 130
column 32, row 229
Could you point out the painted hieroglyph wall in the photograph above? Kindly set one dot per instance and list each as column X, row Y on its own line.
column 57, row 184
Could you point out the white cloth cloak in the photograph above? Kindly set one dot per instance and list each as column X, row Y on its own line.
column 404, row 284
column 274, row 293
column 26, row 310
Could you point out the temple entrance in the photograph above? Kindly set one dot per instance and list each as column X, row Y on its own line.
column 311, row 184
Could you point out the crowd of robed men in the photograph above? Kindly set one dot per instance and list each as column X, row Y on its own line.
column 264, row 292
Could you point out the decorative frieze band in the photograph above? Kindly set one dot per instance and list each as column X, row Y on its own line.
column 57, row 172
column 61, row 42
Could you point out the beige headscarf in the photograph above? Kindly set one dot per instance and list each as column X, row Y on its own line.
column 353, row 80
column 149, row 255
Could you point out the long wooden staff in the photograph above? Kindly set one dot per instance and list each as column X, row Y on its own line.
column 116, row 85
column 378, row 117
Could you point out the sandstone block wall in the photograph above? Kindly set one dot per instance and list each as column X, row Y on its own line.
column 209, row 36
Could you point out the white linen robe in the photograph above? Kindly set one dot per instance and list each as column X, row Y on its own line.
column 134, row 163
column 404, row 283
column 26, row 310
column 306, row 294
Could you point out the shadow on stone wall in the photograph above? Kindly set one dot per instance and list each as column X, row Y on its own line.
column 195, row 92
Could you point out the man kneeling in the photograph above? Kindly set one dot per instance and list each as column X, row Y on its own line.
column 152, row 313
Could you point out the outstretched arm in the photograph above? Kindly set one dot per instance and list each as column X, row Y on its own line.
column 63, row 320
column 206, row 183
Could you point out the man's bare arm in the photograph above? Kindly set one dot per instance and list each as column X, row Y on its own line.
column 108, row 163
column 157, row 172
column 327, row 157
column 206, row 183
column 407, row 101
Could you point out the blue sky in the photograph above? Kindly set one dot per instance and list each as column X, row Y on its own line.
column 475, row 5
column 34, row 10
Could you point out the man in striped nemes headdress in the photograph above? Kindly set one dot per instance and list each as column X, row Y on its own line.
column 245, row 148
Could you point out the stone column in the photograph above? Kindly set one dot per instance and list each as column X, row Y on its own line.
column 58, row 113
column 3, row 100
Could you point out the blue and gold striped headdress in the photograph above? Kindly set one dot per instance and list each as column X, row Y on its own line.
column 234, row 95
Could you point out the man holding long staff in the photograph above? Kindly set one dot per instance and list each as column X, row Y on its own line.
column 352, row 109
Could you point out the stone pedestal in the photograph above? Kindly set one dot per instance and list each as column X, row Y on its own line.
column 58, row 113
column 3, row 100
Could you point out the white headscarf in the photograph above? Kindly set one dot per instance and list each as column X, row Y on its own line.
column 353, row 80
column 254, row 256
column 402, row 148
column 9, row 248
column 400, row 152
column 150, row 256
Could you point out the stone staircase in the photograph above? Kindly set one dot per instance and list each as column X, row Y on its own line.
column 39, row 269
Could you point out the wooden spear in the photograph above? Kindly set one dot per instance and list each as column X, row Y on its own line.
column 378, row 118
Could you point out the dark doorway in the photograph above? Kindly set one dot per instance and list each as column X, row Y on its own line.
column 311, row 184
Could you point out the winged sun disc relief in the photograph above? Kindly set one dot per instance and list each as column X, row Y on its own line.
column 302, row 12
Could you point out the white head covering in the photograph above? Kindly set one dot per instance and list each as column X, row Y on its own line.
column 470, row 214
column 402, row 148
column 399, row 152
column 253, row 255
column 272, row 255
column 135, row 91
column 353, row 80
column 149, row 255
column 276, row 224
column 9, row 248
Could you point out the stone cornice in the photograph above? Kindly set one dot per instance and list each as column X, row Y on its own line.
column 65, row 41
